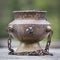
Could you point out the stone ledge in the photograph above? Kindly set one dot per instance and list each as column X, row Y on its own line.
column 4, row 55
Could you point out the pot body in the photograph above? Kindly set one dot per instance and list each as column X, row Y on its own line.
column 29, row 26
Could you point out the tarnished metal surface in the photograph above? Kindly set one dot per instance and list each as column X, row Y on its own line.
column 30, row 27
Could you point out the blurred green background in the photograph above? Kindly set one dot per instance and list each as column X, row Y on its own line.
column 53, row 14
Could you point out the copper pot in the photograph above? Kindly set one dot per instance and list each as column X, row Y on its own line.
column 29, row 27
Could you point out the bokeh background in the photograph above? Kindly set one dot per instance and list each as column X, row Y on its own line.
column 51, row 6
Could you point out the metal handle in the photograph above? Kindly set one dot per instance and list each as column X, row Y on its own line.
column 9, row 46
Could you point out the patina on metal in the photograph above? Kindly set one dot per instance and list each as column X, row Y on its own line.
column 30, row 27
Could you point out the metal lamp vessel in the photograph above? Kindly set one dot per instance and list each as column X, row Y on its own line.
column 30, row 27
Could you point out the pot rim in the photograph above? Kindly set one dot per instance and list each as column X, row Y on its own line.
column 29, row 11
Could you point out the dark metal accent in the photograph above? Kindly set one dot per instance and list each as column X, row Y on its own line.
column 9, row 46
column 29, row 30
column 48, row 42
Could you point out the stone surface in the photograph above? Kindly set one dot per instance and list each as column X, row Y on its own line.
column 4, row 55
